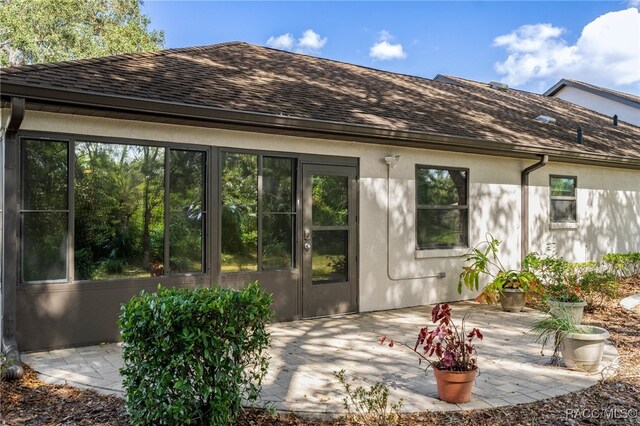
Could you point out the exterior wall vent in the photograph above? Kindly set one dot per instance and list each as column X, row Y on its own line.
column 498, row 86
column 545, row 119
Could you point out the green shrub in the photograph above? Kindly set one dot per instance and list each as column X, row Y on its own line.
column 596, row 286
column 113, row 266
column 623, row 264
column 192, row 356
column 549, row 269
column 369, row 406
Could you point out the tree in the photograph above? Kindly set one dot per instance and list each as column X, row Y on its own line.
column 36, row 31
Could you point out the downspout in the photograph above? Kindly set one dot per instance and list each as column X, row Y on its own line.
column 524, row 213
column 9, row 346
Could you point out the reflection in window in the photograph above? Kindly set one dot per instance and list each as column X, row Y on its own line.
column 239, row 187
column 119, row 211
column 563, row 198
column 44, row 210
column 442, row 210
column 329, row 258
column 330, row 200
column 258, row 210
column 187, row 215
column 278, row 213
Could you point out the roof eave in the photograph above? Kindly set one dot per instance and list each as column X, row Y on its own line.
column 305, row 126
column 556, row 88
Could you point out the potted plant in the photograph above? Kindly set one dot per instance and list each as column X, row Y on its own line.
column 561, row 285
column 511, row 287
column 581, row 346
column 566, row 298
column 455, row 367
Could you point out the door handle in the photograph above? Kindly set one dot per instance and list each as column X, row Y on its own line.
column 307, row 246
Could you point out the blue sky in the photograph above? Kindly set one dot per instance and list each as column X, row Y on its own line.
column 529, row 45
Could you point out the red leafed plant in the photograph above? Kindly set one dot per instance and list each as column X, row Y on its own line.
column 453, row 348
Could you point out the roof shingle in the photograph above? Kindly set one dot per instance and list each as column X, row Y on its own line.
column 242, row 77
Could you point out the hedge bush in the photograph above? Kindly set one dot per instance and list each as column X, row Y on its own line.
column 193, row 356
column 623, row 264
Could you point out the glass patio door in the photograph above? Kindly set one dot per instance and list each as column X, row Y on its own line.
column 329, row 240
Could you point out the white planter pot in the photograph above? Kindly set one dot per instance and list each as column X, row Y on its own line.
column 583, row 351
column 573, row 310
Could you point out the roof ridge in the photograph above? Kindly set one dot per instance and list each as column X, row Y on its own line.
column 455, row 77
column 336, row 61
column 112, row 58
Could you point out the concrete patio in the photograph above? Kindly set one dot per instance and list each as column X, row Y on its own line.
column 305, row 353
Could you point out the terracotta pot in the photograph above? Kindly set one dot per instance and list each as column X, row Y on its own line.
column 583, row 352
column 512, row 300
column 454, row 386
column 573, row 310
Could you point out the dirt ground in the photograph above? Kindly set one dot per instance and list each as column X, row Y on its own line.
column 610, row 402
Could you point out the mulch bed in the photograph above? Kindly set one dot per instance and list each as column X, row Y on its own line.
column 612, row 401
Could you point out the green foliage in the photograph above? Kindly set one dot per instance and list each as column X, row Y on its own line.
column 44, row 189
column 239, row 193
column 369, row 406
column 194, row 356
column 566, row 281
column 482, row 260
column 551, row 270
column 330, row 200
column 623, row 264
column 596, row 286
column 37, row 31
column 338, row 264
column 554, row 327
column 119, row 209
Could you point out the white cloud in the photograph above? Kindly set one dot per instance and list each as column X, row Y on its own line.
column 607, row 52
column 284, row 41
column 383, row 50
column 311, row 41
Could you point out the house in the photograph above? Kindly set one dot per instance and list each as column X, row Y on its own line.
column 339, row 187
column 605, row 101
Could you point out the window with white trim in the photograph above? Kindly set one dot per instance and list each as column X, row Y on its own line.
column 562, row 191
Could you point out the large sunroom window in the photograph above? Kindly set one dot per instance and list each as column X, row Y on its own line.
column 44, row 210
column 258, row 212
column 119, row 210
column 136, row 210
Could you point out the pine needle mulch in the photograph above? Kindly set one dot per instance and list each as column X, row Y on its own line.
column 613, row 401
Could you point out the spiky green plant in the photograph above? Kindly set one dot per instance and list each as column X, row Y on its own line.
column 554, row 328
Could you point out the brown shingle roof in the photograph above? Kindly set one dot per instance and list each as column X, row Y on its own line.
column 243, row 77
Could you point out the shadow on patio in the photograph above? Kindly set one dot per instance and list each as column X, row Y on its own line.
column 304, row 354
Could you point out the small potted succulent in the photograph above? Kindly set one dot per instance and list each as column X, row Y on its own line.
column 511, row 287
column 455, row 366
column 581, row 346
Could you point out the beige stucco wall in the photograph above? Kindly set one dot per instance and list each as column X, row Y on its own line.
column 391, row 273
column 600, row 104
column 608, row 212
